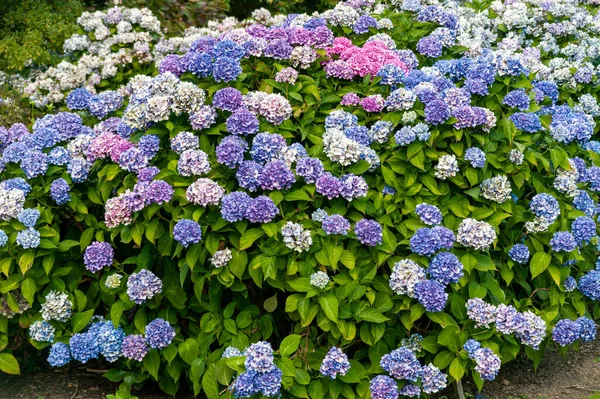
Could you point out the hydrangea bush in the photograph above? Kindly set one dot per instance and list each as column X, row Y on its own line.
column 377, row 200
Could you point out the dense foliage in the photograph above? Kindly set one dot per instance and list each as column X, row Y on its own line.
column 33, row 31
column 372, row 201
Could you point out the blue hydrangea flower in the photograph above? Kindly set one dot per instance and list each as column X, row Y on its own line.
column 59, row 191
column 261, row 209
column 566, row 332
column 445, row 268
column 471, row 346
column 187, row 232
column 519, row 253
column 429, row 214
column 563, row 241
column 431, row 295
column 583, row 228
column 570, row 284
column 29, row 217
column 41, row 331
column 84, row 347
column 3, row 238
column 60, row 355
column 476, row 157
column 587, row 329
column 384, row 387
column 29, row 238
column 589, row 285
column 226, row 69
column 425, row 242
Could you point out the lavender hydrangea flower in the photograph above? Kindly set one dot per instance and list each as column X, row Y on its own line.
column 231, row 150
column 432, row 379
column 310, row 169
column 261, row 209
column 401, row 364
column 135, row 347
column 228, row 99
column 482, row 313
column 384, row 387
column 335, row 362
column 98, row 255
column 276, row 175
column 204, row 192
column 159, row 333
column 187, row 232
column 28, row 238
column 336, row 224
column 142, row 286
column 242, row 122
column 487, row 363
column 583, row 228
column 328, row 185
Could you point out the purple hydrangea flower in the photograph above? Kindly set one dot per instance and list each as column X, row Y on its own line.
column 98, row 255
column 336, row 224
column 328, row 185
column 234, row 206
column 566, row 332
column 159, row 333
column 228, row 99
column 135, row 347
column 431, row 295
column 261, row 209
column 243, row 122
column 563, row 241
column 59, row 191
column 276, row 175
column 368, row 232
column 335, row 362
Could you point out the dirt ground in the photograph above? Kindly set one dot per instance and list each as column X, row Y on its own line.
column 575, row 377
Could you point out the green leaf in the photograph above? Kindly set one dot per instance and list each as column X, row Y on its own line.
column 443, row 359
column 271, row 304
column 116, row 311
column 457, row 368
column 209, row 384
column 539, row 263
column 9, row 364
column 289, row 345
column 372, row 315
column 189, row 350
column 28, row 288
column 330, row 305
column 79, row 321
column 152, row 362
column 26, row 261
column 249, row 237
